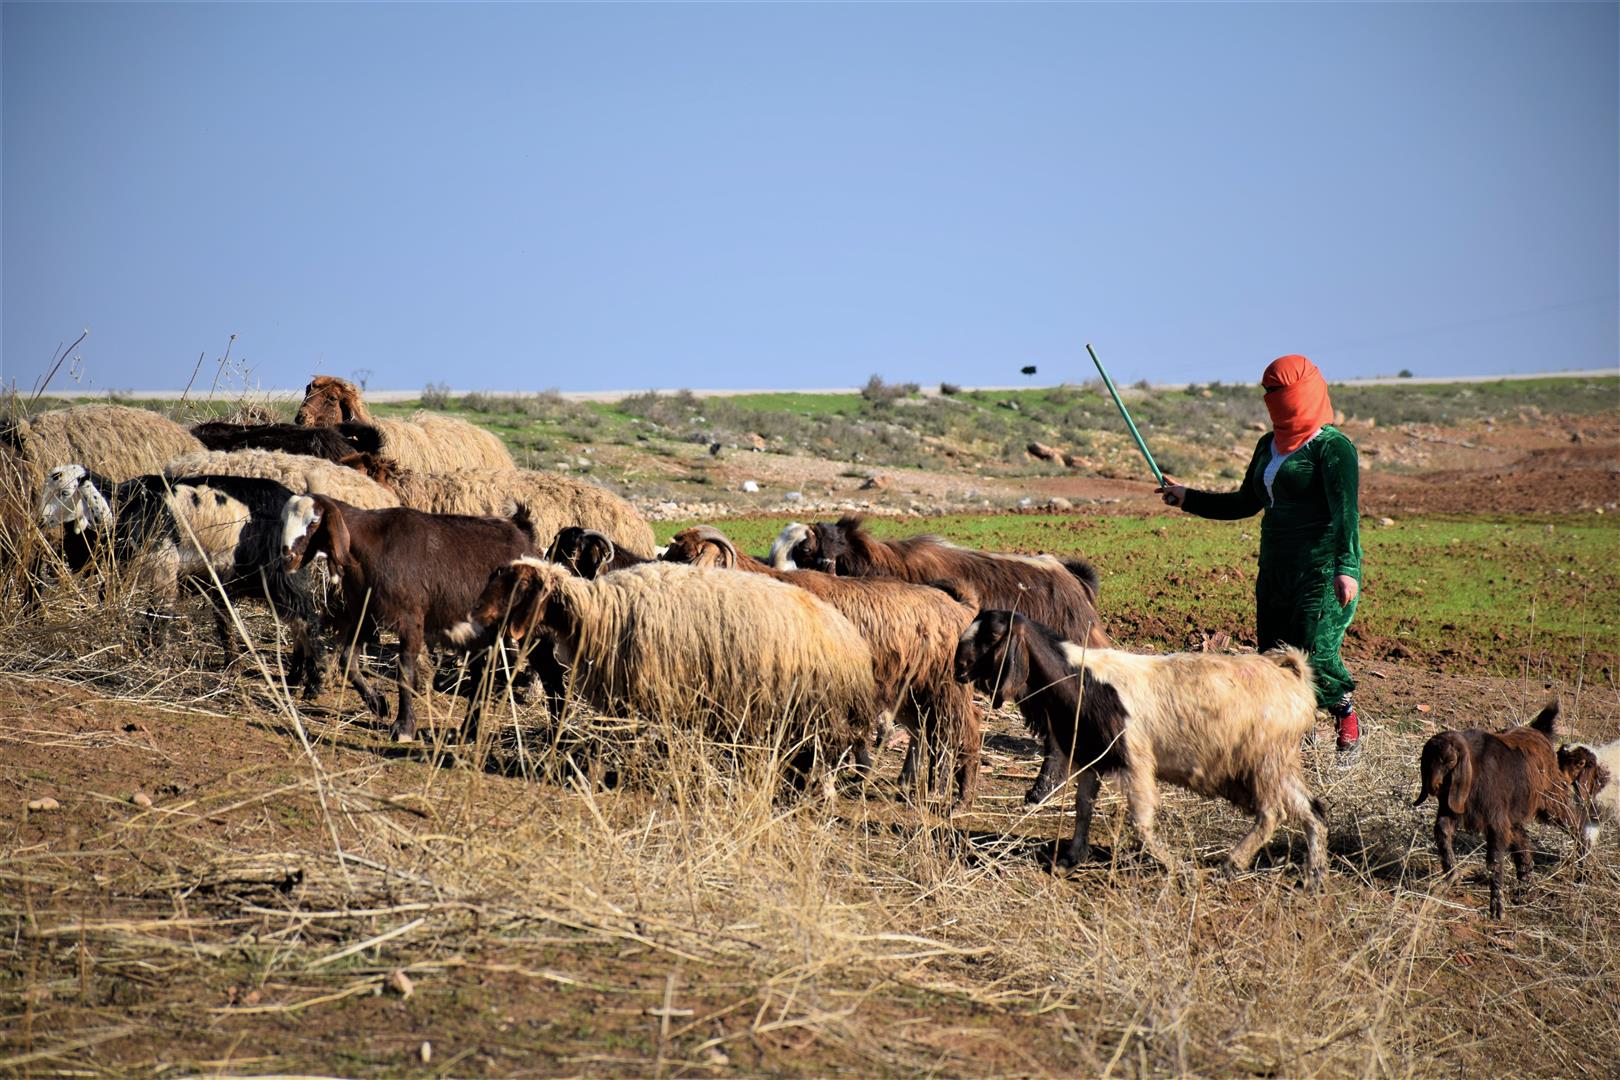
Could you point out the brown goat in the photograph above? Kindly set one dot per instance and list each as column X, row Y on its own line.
column 333, row 443
column 1497, row 783
column 912, row 631
column 1061, row 594
column 329, row 400
column 407, row 571
column 590, row 554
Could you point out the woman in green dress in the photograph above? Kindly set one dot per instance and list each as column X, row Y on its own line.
column 1304, row 476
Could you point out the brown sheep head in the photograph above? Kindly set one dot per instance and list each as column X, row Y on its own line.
column 702, row 545
column 583, row 551
column 313, row 525
column 330, row 400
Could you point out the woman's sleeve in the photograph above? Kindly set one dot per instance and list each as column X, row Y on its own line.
column 1341, row 479
column 1246, row 501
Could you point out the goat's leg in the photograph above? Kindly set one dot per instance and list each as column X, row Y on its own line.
column 908, row 768
column 1054, row 770
column 351, row 670
column 969, row 745
column 1265, row 824
column 1142, row 796
column 1523, row 861
column 1307, row 810
column 1496, row 867
column 1085, row 798
column 410, row 649
column 1444, row 828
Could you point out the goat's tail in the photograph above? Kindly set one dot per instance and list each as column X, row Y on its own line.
column 524, row 520
column 1546, row 718
column 1086, row 574
column 1294, row 660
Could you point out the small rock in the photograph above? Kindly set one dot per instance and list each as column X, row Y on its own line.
column 1026, row 501
column 141, row 799
column 426, row 1052
column 876, row 482
column 756, row 441
column 1256, row 425
column 252, row 997
column 750, row 486
column 1425, row 708
column 1058, row 502
column 400, row 983
column 1386, row 521
column 44, row 805
column 793, row 496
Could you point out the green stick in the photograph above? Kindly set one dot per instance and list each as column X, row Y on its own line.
column 1123, row 411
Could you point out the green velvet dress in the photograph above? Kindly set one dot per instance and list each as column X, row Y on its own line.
column 1310, row 534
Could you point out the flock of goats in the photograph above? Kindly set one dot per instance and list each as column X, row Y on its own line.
column 348, row 525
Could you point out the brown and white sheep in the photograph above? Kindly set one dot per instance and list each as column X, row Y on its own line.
column 912, row 631
column 555, row 501
column 1497, row 783
column 1059, row 593
column 403, row 570
column 741, row 657
column 1225, row 726
column 427, row 441
column 302, row 475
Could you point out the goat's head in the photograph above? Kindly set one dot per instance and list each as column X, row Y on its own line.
column 522, row 597
column 993, row 654
column 330, row 400
column 313, row 525
column 809, row 547
column 584, row 551
column 71, row 496
column 1586, row 777
column 702, row 545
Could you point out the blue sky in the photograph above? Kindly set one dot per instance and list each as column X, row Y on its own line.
column 629, row 196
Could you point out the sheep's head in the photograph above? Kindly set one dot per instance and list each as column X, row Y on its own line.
column 72, row 497
column 522, row 597
column 993, row 655
column 583, row 551
column 702, row 545
column 330, row 400
column 306, row 531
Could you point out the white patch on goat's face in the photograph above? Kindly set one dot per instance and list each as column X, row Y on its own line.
column 298, row 517
column 659, row 553
column 782, row 547
column 465, row 632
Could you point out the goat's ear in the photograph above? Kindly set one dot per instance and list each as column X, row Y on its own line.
column 1459, row 783
column 526, row 606
column 1012, row 674
column 596, row 551
column 337, row 532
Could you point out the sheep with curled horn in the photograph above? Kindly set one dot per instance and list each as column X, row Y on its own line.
column 332, row 443
column 738, row 656
column 300, row 474
column 912, row 631
column 219, row 534
column 1059, row 593
column 555, row 501
column 428, row 441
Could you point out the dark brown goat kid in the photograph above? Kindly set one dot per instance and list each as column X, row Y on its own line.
column 1497, row 783
column 589, row 554
column 407, row 571
column 1059, row 593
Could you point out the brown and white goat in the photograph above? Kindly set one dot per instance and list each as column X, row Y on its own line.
column 1226, row 726
column 401, row 570
column 1497, row 783
column 1059, row 593
column 912, row 631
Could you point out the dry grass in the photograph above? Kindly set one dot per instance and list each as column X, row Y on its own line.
column 302, row 897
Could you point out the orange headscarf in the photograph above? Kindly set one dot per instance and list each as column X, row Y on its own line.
column 1299, row 403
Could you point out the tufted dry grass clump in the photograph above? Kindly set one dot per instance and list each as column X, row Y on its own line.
column 603, row 896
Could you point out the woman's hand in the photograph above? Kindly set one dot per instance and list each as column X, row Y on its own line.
column 1174, row 494
column 1345, row 588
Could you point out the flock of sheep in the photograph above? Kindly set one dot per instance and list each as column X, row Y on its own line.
column 347, row 525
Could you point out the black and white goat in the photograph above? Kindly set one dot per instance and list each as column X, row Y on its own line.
column 189, row 531
column 1226, row 726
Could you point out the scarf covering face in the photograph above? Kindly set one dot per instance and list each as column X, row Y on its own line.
column 1297, row 399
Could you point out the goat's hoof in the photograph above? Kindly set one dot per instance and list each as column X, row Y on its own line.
column 403, row 737
column 1036, row 796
